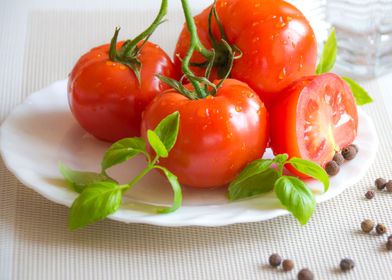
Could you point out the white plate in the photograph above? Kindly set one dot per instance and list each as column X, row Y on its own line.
column 42, row 131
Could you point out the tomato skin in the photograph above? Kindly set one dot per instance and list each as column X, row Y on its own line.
column 217, row 136
column 315, row 117
column 105, row 96
column 277, row 42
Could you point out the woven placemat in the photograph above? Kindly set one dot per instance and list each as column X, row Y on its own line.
column 36, row 244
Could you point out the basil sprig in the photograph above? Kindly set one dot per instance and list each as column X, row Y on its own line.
column 327, row 62
column 100, row 195
column 263, row 175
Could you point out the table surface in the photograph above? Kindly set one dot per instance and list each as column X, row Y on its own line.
column 39, row 42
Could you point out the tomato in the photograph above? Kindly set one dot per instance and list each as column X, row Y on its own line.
column 277, row 42
column 106, row 97
column 315, row 117
column 218, row 135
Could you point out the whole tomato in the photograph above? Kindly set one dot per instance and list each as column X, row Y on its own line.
column 218, row 135
column 277, row 43
column 316, row 117
column 106, row 97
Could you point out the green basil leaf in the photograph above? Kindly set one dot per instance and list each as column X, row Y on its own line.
column 157, row 144
column 361, row 96
column 253, row 185
column 123, row 150
column 281, row 159
column 296, row 197
column 95, row 203
column 79, row 180
column 167, row 130
column 253, row 168
column 328, row 56
column 177, row 198
column 311, row 169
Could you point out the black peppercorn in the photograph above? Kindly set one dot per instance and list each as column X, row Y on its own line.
column 389, row 245
column 349, row 152
column 388, row 186
column 369, row 194
column 305, row 274
column 346, row 264
column 338, row 158
column 355, row 147
column 332, row 168
column 381, row 229
column 367, row 225
column 275, row 260
column 380, row 183
column 288, row 265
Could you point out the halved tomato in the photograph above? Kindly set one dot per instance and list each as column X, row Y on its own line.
column 316, row 117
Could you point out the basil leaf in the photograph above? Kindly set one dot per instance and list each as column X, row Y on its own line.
column 361, row 96
column 79, row 180
column 328, row 56
column 296, row 197
column 157, row 144
column 281, row 158
column 167, row 130
column 253, row 185
column 311, row 169
column 177, row 199
column 123, row 150
column 253, row 168
column 95, row 203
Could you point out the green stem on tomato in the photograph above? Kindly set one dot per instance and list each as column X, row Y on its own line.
column 194, row 44
column 147, row 33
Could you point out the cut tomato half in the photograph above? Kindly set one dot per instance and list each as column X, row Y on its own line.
column 316, row 117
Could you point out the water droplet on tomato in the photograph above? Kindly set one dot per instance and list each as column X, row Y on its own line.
column 108, row 63
column 255, row 39
column 257, row 5
column 293, row 44
column 122, row 67
column 205, row 127
column 288, row 18
column 300, row 66
column 250, row 94
column 284, row 42
column 282, row 73
column 229, row 136
column 238, row 108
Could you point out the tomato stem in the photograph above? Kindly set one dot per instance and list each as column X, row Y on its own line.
column 147, row 33
column 194, row 44
column 129, row 52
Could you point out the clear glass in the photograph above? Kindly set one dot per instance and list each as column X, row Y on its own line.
column 364, row 33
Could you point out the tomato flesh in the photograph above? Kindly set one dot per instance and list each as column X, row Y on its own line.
column 316, row 117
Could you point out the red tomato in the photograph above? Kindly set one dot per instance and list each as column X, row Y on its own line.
column 218, row 136
column 105, row 96
column 315, row 117
column 276, row 40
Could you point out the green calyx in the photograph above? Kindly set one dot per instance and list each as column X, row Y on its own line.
column 129, row 52
column 221, row 56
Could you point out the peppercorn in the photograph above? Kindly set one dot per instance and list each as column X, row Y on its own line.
column 355, row 147
column 346, row 264
column 389, row 245
column 367, row 225
column 338, row 158
column 381, row 229
column 388, row 186
column 369, row 194
column 275, row 260
column 305, row 274
column 332, row 168
column 380, row 183
column 349, row 152
column 288, row 265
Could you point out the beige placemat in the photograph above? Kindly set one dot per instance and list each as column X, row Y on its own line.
column 36, row 244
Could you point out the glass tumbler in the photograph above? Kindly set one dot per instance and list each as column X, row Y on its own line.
column 364, row 34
